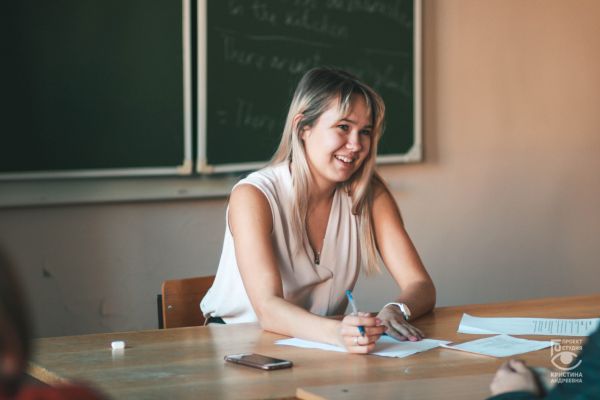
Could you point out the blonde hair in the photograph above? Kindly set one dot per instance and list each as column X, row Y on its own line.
column 314, row 94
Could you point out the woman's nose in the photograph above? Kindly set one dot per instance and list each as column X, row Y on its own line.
column 353, row 142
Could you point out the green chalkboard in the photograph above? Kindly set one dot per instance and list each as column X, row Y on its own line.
column 95, row 88
column 256, row 51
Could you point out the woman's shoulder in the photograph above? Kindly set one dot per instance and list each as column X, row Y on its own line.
column 379, row 186
column 268, row 187
column 383, row 200
column 258, row 195
column 270, row 180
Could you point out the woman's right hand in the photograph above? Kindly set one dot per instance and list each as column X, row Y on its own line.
column 353, row 340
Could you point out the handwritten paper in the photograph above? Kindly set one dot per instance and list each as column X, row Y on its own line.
column 385, row 346
column 528, row 326
column 500, row 346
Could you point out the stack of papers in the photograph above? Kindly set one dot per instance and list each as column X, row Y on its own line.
column 496, row 346
column 386, row 346
column 528, row 326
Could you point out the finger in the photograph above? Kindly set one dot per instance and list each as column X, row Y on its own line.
column 375, row 330
column 351, row 324
column 396, row 335
column 365, row 320
column 349, row 330
column 418, row 331
column 403, row 330
column 414, row 331
column 372, row 339
column 367, row 340
column 359, row 349
column 354, row 344
column 519, row 366
column 350, row 341
column 505, row 367
column 369, row 348
column 494, row 386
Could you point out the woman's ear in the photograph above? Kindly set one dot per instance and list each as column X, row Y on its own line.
column 295, row 123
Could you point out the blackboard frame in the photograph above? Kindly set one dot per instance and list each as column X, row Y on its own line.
column 186, row 165
column 414, row 154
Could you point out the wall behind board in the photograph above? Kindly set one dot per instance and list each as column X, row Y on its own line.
column 504, row 207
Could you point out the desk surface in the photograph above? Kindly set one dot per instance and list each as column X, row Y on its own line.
column 188, row 362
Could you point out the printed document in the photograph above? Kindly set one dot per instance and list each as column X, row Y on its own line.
column 386, row 346
column 500, row 346
column 528, row 326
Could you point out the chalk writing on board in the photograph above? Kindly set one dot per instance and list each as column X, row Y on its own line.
column 260, row 10
column 238, row 52
column 384, row 8
column 301, row 18
column 235, row 53
column 258, row 50
column 383, row 76
column 245, row 116
column 380, row 75
column 315, row 22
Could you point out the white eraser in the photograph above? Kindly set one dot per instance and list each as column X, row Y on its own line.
column 117, row 344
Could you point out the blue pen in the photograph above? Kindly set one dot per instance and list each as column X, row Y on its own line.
column 361, row 328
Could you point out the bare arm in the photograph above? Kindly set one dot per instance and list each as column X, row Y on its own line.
column 251, row 225
column 402, row 260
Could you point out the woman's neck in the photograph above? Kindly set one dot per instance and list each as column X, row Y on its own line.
column 319, row 191
column 319, row 194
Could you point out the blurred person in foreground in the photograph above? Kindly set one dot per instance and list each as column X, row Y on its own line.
column 15, row 347
column 516, row 381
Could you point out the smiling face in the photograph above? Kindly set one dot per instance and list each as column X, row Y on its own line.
column 337, row 144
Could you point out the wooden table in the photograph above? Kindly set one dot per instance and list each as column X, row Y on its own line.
column 188, row 362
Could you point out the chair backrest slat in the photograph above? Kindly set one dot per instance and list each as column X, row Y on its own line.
column 181, row 301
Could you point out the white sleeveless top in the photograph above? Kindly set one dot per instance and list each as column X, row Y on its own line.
column 319, row 289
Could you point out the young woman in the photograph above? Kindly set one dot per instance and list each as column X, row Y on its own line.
column 300, row 230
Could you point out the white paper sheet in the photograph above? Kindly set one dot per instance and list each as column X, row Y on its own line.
column 500, row 346
column 386, row 346
column 527, row 326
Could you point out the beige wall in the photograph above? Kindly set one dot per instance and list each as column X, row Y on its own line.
column 504, row 207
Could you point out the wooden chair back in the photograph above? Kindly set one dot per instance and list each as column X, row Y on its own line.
column 181, row 301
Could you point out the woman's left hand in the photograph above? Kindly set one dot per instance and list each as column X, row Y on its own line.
column 398, row 327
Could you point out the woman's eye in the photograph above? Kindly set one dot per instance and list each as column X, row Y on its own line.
column 344, row 127
column 365, row 132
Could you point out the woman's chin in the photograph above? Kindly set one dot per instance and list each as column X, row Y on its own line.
column 342, row 175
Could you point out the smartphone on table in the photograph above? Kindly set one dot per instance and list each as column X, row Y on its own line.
column 259, row 361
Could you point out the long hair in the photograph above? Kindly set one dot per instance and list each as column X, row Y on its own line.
column 314, row 94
